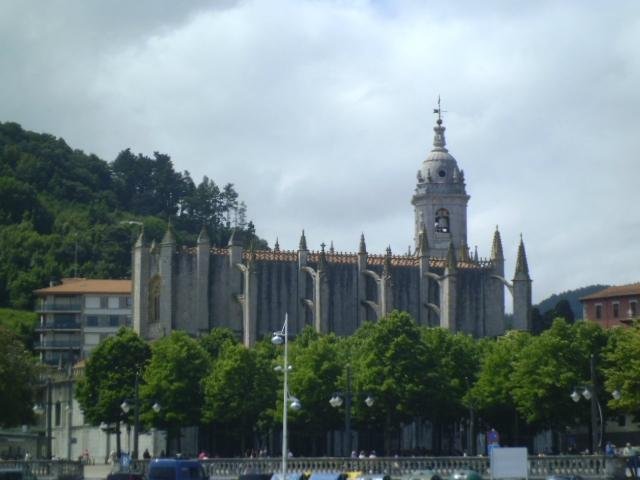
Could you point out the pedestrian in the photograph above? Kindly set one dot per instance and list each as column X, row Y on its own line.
column 354, row 454
column 146, row 455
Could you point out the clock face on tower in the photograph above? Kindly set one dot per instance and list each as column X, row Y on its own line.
column 442, row 173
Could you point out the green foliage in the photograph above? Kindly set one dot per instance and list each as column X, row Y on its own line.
column 17, row 380
column 389, row 361
column 174, row 380
column 109, row 376
column 58, row 205
column 549, row 367
column 215, row 341
column 21, row 323
column 238, row 390
column 622, row 357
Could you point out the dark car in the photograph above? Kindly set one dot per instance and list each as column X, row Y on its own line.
column 175, row 469
column 125, row 476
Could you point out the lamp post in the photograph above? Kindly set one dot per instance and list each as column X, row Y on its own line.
column 590, row 393
column 40, row 409
column 338, row 399
column 279, row 338
column 136, row 413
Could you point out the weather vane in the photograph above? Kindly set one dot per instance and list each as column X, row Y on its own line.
column 439, row 110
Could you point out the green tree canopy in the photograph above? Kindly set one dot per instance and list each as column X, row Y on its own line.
column 18, row 377
column 174, row 380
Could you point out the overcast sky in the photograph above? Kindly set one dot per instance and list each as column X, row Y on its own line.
column 320, row 112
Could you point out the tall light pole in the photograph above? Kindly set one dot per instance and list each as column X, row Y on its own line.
column 279, row 338
column 337, row 400
column 136, row 413
column 591, row 393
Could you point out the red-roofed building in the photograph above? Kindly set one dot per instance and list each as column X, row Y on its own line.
column 612, row 306
column 77, row 314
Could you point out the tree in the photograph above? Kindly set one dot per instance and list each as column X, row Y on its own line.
column 549, row 367
column 110, row 376
column 389, row 361
column 18, row 377
column 215, row 341
column 316, row 370
column 491, row 395
column 622, row 357
column 174, row 380
column 238, row 390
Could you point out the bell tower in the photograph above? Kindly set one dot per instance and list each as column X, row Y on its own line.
column 440, row 199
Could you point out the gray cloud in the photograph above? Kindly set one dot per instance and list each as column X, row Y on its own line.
column 319, row 112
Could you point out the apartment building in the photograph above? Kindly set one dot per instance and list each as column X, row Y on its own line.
column 77, row 314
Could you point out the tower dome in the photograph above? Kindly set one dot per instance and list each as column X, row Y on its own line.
column 439, row 166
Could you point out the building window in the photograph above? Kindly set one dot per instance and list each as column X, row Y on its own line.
column 57, row 415
column 442, row 221
column 92, row 321
column 616, row 309
column 113, row 320
column 598, row 311
column 622, row 420
column 104, row 302
column 91, row 301
column 114, row 302
column 633, row 308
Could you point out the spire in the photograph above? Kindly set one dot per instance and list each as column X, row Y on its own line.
column 424, row 242
column 323, row 256
column 387, row 260
column 303, row 242
column 154, row 246
column 475, row 253
column 451, row 257
column 276, row 247
column 204, row 235
column 252, row 251
column 169, row 236
column 438, row 139
column 496, row 248
column 363, row 245
column 234, row 240
column 521, row 260
column 331, row 249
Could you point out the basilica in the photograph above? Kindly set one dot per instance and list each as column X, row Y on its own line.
column 440, row 283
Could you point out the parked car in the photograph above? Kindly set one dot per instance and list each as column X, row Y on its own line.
column 466, row 475
column 125, row 476
column 175, row 469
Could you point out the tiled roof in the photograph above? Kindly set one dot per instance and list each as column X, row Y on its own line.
column 83, row 285
column 350, row 258
column 615, row 291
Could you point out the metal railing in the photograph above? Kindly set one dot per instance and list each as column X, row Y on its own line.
column 46, row 469
column 56, row 307
column 587, row 466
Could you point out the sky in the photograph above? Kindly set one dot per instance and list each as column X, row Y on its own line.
column 320, row 112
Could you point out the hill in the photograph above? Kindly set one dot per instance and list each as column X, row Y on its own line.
column 67, row 213
column 571, row 296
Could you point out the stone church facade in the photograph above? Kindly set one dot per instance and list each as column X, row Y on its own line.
column 440, row 284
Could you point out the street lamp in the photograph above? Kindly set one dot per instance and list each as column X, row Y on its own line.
column 126, row 407
column 288, row 401
column 589, row 392
column 338, row 399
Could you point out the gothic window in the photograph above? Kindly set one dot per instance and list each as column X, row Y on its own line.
column 633, row 308
column 616, row 310
column 442, row 221
column 154, row 299
column 598, row 311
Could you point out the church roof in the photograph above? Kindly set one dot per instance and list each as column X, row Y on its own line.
column 352, row 258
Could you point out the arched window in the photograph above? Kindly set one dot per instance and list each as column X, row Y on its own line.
column 154, row 299
column 442, row 221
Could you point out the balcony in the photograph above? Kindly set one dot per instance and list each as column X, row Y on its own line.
column 58, row 345
column 56, row 307
column 58, row 326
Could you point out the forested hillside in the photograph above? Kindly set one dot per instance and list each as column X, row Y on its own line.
column 66, row 213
